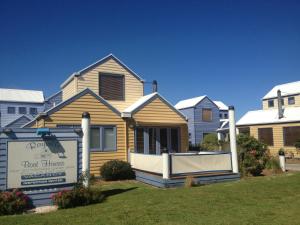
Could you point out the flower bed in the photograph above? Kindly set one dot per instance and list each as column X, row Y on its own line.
column 14, row 202
column 78, row 196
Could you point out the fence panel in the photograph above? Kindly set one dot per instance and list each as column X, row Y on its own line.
column 181, row 164
column 150, row 163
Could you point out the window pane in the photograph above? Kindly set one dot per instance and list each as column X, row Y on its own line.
column 95, row 138
column 152, row 140
column 33, row 111
column 226, row 116
column 11, row 110
column 265, row 135
column 207, row 115
column 111, row 87
column 271, row 103
column 140, row 140
column 174, row 140
column 244, row 130
column 291, row 100
column 291, row 135
column 163, row 139
column 22, row 110
column 109, row 138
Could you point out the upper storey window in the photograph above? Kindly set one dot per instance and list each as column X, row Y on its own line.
column 271, row 103
column 112, row 86
column 291, row 100
column 206, row 115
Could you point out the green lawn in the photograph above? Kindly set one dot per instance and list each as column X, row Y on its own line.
column 262, row 200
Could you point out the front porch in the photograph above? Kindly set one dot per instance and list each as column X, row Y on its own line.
column 171, row 170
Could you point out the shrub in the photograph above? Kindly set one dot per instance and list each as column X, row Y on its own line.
column 252, row 155
column 210, row 142
column 14, row 202
column 273, row 164
column 297, row 144
column 116, row 170
column 78, row 196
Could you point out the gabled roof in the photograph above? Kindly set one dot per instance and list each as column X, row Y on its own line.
column 53, row 95
column 188, row 103
column 192, row 102
column 221, row 105
column 101, row 61
column 18, row 95
column 286, row 89
column 139, row 104
column 23, row 119
column 70, row 100
column 270, row 116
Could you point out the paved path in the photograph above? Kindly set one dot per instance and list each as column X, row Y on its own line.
column 295, row 167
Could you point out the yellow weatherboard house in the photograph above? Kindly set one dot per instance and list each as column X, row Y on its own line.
column 122, row 118
column 278, row 123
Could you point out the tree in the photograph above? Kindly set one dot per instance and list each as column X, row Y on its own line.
column 210, row 142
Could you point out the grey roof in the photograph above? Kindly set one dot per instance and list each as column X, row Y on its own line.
column 19, row 95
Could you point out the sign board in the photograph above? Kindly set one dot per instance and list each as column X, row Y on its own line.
column 41, row 163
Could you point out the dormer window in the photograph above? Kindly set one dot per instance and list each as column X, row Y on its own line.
column 112, row 86
column 271, row 103
column 291, row 100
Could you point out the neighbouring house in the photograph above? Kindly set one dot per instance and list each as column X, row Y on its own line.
column 122, row 118
column 53, row 100
column 18, row 107
column 203, row 117
column 223, row 130
column 278, row 123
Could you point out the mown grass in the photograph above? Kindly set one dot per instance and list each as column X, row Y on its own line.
column 261, row 200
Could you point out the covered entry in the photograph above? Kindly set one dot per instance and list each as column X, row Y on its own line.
column 155, row 140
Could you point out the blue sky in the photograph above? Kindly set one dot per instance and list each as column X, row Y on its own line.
column 233, row 51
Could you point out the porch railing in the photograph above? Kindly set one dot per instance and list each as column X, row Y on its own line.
column 209, row 162
column 150, row 163
column 181, row 163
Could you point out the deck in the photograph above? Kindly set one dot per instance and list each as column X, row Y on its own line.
column 200, row 178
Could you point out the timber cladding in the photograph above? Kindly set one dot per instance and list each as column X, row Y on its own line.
column 285, row 100
column 158, row 113
column 133, row 88
column 278, row 137
column 100, row 115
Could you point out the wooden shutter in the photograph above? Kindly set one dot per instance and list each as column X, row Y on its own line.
column 265, row 135
column 111, row 87
column 291, row 135
column 206, row 115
